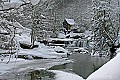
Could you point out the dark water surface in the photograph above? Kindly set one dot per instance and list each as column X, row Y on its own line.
column 83, row 64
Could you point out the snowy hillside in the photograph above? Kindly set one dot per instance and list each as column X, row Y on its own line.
column 109, row 71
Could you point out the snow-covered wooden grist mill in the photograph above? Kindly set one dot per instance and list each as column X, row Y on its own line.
column 68, row 24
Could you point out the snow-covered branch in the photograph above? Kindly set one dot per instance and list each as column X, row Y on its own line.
column 14, row 7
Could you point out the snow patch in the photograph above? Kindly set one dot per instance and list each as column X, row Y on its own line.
column 118, row 51
column 8, row 5
column 61, row 35
column 60, row 75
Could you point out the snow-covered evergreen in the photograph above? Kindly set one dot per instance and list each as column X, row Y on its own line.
column 105, row 27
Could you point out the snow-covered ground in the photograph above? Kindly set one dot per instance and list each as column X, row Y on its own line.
column 45, row 52
column 109, row 71
column 14, row 65
column 42, row 51
column 60, row 75
column 12, row 4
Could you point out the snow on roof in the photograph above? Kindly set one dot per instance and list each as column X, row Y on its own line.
column 34, row 2
column 70, row 21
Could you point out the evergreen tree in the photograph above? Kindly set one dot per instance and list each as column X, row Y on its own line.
column 105, row 28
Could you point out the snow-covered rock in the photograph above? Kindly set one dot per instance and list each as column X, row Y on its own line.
column 81, row 50
column 58, row 48
column 44, row 52
column 39, row 52
column 61, row 51
column 60, row 75
column 61, row 35
column 88, row 33
column 71, row 34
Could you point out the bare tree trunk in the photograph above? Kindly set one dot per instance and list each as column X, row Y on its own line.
column 33, row 31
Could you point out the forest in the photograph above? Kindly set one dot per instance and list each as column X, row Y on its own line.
column 45, row 39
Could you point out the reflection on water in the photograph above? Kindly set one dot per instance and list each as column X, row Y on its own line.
column 83, row 64
column 37, row 75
